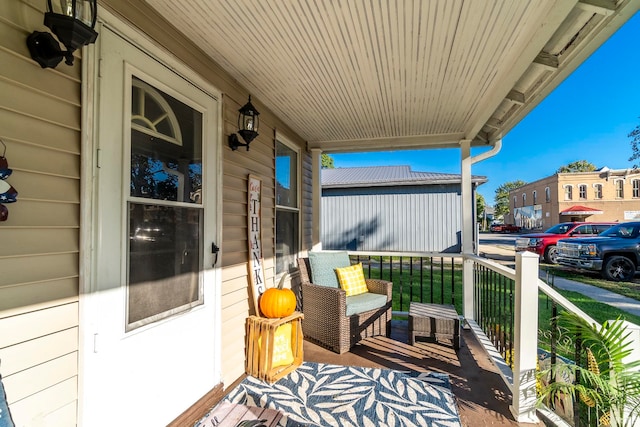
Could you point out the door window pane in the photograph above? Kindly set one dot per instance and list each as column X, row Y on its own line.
column 166, row 146
column 165, row 215
column 165, row 253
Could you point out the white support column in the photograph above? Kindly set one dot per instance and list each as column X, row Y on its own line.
column 466, row 194
column 525, row 346
column 316, row 196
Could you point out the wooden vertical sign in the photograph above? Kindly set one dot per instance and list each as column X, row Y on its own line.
column 256, row 262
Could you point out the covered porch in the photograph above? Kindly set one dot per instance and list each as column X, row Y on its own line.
column 326, row 77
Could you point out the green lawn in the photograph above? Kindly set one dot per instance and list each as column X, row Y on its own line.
column 628, row 289
column 442, row 283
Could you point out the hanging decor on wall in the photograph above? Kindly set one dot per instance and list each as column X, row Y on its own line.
column 256, row 262
column 8, row 194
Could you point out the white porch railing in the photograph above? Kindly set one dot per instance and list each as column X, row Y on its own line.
column 499, row 304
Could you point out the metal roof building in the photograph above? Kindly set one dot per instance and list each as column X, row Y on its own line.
column 391, row 208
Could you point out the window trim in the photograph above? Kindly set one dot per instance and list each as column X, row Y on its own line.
column 597, row 190
column 568, row 191
column 580, row 187
column 619, row 191
column 279, row 138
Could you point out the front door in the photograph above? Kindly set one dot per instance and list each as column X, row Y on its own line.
column 151, row 309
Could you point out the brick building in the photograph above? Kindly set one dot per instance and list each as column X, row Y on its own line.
column 602, row 195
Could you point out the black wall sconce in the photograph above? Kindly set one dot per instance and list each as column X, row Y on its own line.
column 72, row 22
column 247, row 126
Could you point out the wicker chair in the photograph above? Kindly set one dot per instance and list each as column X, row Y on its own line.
column 325, row 320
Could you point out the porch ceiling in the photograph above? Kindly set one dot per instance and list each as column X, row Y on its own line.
column 351, row 75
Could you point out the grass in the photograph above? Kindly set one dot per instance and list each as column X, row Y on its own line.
column 442, row 283
column 628, row 289
column 599, row 311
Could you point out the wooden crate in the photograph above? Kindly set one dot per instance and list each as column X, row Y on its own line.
column 260, row 341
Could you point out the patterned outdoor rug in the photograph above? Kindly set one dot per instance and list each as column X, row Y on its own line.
column 329, row 395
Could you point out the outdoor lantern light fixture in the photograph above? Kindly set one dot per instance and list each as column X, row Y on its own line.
column 247, row 126
column 72, row 21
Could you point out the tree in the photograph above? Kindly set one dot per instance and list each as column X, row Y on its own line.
column 327, row 161
column 578, row 166
column 480, row 204
column 502, row 196
column 635, row 145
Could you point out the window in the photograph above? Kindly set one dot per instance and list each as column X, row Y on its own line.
column 535, row 197
column 597, row 190
column 583, row 229
column 547, row 195
column 568, row 192
column 515, row 201
column 287, row 207
column 582, row 189
column 524, row 199
column 636, row 188
column 619, row 189
column 165, row 211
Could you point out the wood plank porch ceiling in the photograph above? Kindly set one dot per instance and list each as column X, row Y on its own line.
column 362, row 75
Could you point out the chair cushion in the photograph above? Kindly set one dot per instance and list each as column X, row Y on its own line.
column 323, row 265
column 351, row 279
column 365, row 302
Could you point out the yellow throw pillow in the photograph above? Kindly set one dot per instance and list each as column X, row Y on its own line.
column 282, row 354
column 351, row 279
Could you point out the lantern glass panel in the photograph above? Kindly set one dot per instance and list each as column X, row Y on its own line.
column 83, row 10
column 248, row 122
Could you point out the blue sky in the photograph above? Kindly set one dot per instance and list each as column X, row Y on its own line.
column 587, row 117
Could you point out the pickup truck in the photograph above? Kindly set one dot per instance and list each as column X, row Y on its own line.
column 544, row 244
column 614, row 253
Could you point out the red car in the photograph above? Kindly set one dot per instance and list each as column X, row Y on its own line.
column 544, row 244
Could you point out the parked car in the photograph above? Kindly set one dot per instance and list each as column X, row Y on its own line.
column 504, row 228
column 615, row 253
column 544, row 244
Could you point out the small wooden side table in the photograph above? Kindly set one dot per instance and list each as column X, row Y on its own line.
column 434, row 321
column 260, row 341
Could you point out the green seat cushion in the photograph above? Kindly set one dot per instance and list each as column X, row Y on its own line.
column 323, row 267
column 364, row 302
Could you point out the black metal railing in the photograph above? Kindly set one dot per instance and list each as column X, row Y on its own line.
column 493, row 305
column 431, row 279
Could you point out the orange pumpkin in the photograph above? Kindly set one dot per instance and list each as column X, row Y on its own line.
column 278, row 302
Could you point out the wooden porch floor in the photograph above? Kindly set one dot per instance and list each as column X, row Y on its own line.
column 483, row 399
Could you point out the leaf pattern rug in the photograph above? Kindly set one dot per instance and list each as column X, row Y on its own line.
column 319, row 394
